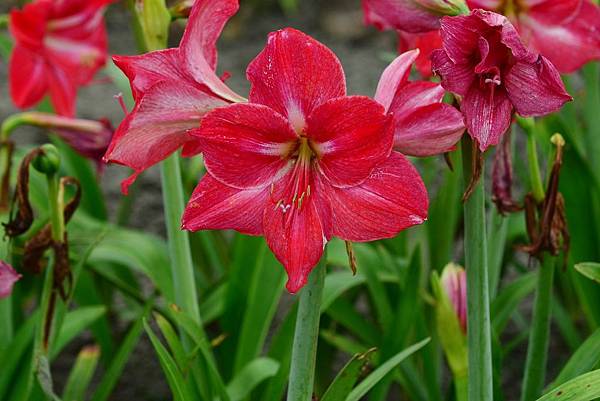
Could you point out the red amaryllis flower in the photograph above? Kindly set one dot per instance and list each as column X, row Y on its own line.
column 59, row 46
column 426, row 43
column 484, row 61
column 8, row 277
column 173, row 89
column 303, row 162
column 413, row 16
column 423, row 124
column 567, row 32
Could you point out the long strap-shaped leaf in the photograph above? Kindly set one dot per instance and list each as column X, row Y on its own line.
column 582, row 388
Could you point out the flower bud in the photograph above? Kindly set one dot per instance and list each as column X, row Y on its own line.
column 445, row 7
column 454, row 283
column 154, row 19
column 89, row 138
column 8, row 277
column 48, row 161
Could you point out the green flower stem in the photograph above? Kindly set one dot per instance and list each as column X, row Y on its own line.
column 182, row 266
column 537, row 350
column 306, row 335
column 478, row 308
column 55, row 202
column 461, row 387
column 537, row 187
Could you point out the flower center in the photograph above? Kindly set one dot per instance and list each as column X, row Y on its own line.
column 512, row 8
column 296, row 187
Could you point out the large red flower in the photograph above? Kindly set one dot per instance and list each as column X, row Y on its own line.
column 426, row 43
column 484, row 61
column 423, row 124
column 567, row 32
column 303, row 162
column 59, row 46
column 173, row 90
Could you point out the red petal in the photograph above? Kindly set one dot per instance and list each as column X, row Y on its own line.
column 297, row 234
column 352, row 135
column 569, row 45
column 245, row 145
column 158, row 125
column 553, row 12
column 429, row 130
column 535, row 89
column 404, row 15
column 28, row 77
column 460, row 37
column 391, row 199
column 63, row 91
column 426, row 43
column 28, row 26
column 147, row 69
column 414, row 95
column 456, row 78
column 491, row 5
column 198, row 45
column 394, row 76
column 294, row 74
column 214, row 206
column 488, row 113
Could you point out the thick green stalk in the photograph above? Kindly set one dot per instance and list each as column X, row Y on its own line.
column 478, row 308
column 182, row 267
column 537, row 188
column 306, row 335
column 537, row 350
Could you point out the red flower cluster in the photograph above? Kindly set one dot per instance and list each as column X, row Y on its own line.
column 59, row 47
column 567, row 32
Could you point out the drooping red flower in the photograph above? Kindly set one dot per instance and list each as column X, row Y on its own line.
column 567, row 32
column 423, row 124
column 484, row 61
column 426, row 43
column 59, row 46
column 173, row 90
column 8, row 277
column 302, row 162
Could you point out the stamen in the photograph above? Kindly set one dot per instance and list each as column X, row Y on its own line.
column 119, row 98
column 496, row 81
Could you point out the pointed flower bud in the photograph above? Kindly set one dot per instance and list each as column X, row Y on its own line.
column 90, row 138
column 153, row 20
column 8, row 277
column 454, row 283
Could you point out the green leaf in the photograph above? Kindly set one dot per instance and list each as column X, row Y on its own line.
column 251, row 376
column 584, row 359
column 74, row 323
column 370, row 381
column 117, row 364
column 582, row 388
column 173, row 341
column 345, row 380
column 81, row 374
column 590, row 270
column 509, row 298
column 174, row 377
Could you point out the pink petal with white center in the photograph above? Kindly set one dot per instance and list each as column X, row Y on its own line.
column 535, row 89
column 296, row 231
column 214, row 206
column 456, row 78
column 568, row 46
column 351, row 136
column 488, row 113
column 28, row 77
column 63, row 91
column 147, row 69
column 394, row 76
column 159, row 125
column 294, row 74
column 246, row 145
column 198, row 44
column 392, row 199
column 429, row 130
column 8, row 277
column 414, row 95
column 404, row 15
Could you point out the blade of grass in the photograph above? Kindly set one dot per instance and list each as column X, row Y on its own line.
column 81, row 374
